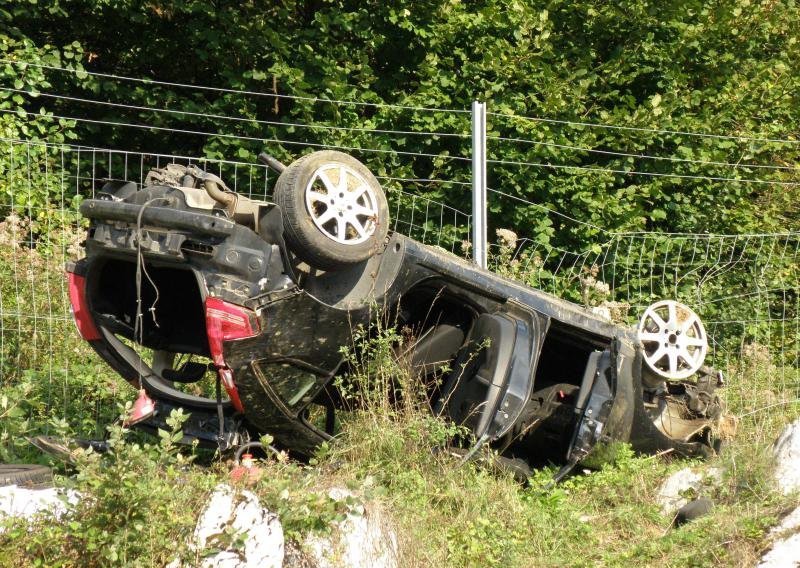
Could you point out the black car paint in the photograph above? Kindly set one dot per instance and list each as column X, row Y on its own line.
column 305, row 321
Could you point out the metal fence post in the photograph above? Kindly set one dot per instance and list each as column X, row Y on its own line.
column 479, row 183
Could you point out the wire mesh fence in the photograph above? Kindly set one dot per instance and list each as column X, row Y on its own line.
column 744, row 286
column 67, row 172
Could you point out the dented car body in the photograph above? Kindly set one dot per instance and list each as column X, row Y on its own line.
column 183, row 280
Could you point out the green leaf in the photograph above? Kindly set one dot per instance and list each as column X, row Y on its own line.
column 655, row 101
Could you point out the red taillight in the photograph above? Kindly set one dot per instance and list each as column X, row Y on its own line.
column 225, row 322
column 80, row 309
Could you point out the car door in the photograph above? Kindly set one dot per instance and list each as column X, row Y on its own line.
column 492, row 376
column 593, row 408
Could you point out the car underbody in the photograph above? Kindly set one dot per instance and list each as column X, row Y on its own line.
column 185, row 282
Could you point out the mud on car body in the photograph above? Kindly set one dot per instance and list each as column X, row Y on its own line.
column 262, row 295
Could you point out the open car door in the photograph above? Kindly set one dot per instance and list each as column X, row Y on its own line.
column 492, row 376
column 595, row 401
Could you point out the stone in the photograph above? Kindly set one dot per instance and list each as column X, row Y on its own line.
column 695, row 509
column 785, row 550
column 784, row 553
column 26, row 503
column 790, row 522
column 787, row 458
column 363, row 539
column 238, row 516
column 683, row 486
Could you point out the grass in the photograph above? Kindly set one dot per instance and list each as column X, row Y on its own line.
column 450, row 514
column 444, row 513
column 48, row 375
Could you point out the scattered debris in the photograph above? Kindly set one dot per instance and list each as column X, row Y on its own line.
column 787, row 456
column 245, row 533
column 693, row 510
column 246, row 472
column 363, row 539
column 26, row 475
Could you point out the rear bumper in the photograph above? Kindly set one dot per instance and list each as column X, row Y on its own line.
column 158, row 216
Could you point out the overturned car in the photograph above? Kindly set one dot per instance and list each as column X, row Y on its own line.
column 186, row 282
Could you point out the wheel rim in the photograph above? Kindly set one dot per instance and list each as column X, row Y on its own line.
column 342, row 204
column 674, row 339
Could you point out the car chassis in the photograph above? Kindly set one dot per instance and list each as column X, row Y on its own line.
column 271, row 291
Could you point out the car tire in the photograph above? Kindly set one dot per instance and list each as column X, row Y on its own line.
column 25, row 475
column 335, row 211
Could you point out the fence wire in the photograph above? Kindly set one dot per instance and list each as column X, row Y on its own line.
column 744, row 287
column 41, row 187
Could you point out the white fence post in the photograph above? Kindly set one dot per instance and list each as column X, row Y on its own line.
column 479, row 183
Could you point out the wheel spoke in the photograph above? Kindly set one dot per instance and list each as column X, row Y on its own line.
column 342, row 180
column 656, row 357
column 341, row 228
column 317, row 196
column 355, row 195
column 329, row 214
column 651, row 336
column 326, row 181
column 357, row 225
column 672, row 355
column 694, row 341
column 662, row 325
column 673, row 315
column 686, row 356
column 361, row 210
column 688, row 324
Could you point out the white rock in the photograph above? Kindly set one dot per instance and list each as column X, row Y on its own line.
column 789, row 523
column 672, row 495
column 784, row 554
column 21, row 502
column 229, row 513
column 787, row 456
column 363, row 539
column 786, row 550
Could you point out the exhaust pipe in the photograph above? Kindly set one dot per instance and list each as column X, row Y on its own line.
column 225, row 198
column 273, row 163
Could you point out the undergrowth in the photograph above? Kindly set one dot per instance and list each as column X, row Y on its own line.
column 138, row 502
column 454, row 514
column 141, row 500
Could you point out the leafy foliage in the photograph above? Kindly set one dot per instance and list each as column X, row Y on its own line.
column 730, row 67
column 727, row 67
column 128, row 513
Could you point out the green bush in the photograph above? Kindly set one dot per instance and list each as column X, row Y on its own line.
column 138, row 505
